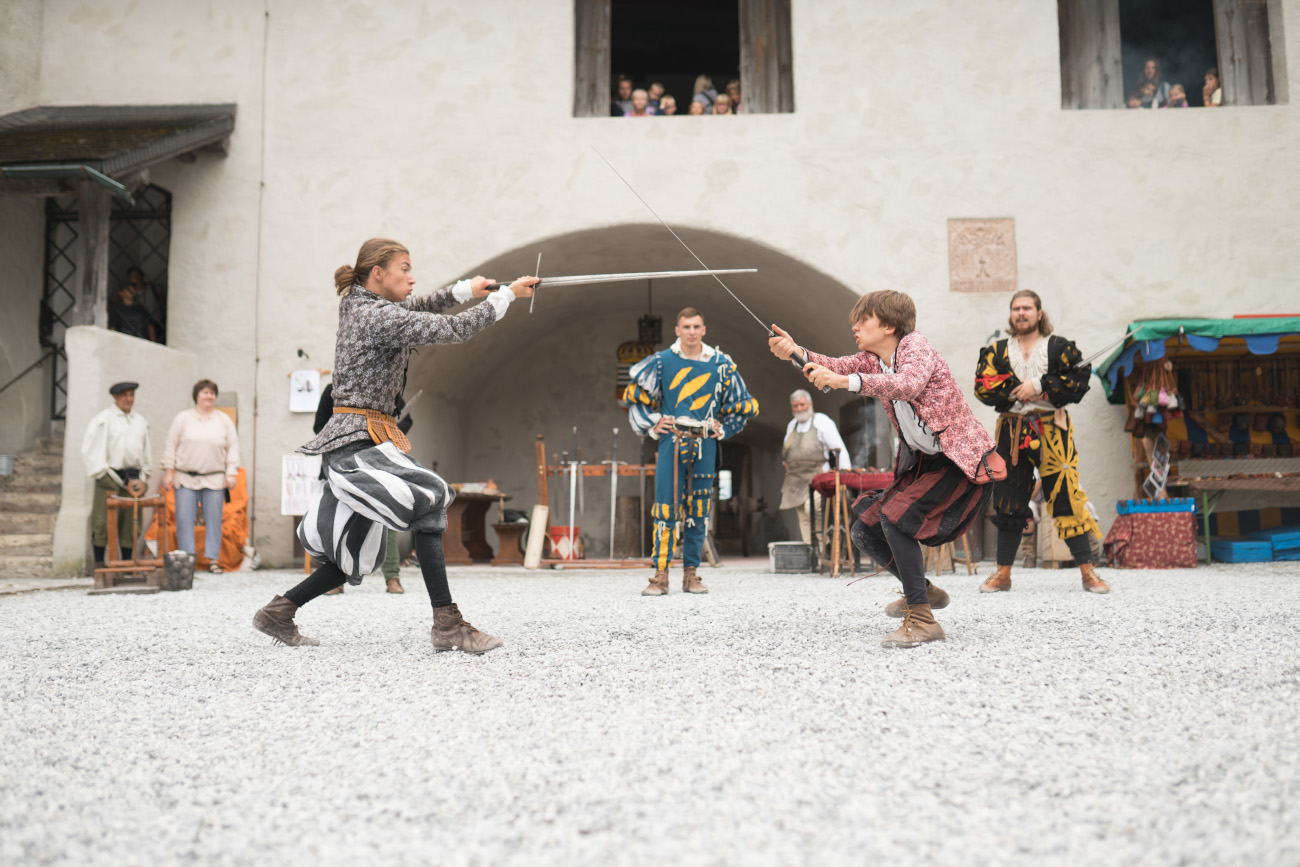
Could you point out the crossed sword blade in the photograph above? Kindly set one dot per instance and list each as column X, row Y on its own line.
column 584, row 279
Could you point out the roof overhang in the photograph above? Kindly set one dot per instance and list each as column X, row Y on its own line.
column 117, row 141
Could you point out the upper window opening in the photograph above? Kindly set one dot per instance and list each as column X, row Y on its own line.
column 1169, row 53
column 657, row 57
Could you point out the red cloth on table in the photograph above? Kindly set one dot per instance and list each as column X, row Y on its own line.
column 824, row 483
column 1152, row 540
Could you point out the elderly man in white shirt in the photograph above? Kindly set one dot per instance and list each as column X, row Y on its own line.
column 809, row 439
column 116, row 450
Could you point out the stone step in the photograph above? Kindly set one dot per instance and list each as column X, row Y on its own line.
column 9, row 541
column 26, row 564
column 27, row 522
column 36, row 483
column 38, row 462
column 26, row 501
column 50, row 446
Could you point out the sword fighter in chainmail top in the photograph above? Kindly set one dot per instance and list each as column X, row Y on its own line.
column 371, row 483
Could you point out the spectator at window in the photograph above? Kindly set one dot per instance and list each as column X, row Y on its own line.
column 201, row 462
column 733, row 91
column 129, row 317
column 1143, row 95
column 656, row 92
column 1177, row 97
column 667, row 105
column 148, row 297
column 640, row 105
column 1212, row 93
column 622, row 102
column 704, row 92
column 722, row 105
column 696, row 107
column 1151, row 75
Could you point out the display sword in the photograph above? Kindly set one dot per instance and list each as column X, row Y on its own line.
column 586, row 279
column 613, row 492
column 797, row 358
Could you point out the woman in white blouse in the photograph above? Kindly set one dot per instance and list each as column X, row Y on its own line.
column 201, row 461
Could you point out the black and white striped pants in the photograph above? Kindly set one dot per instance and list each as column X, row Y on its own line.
column 367, row 489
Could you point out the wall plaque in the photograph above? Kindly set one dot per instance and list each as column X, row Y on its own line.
column 982, row 255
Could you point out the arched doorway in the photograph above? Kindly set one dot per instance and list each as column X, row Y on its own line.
column 555, row 369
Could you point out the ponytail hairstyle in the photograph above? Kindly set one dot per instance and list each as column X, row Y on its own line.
column 1044, row 324
column 376, row 251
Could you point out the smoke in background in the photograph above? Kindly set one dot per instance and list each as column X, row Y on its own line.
column 1177, row 33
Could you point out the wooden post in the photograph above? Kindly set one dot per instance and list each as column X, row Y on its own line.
column 1241, row 36
column 543, row 489
column 93, row 212
column 1092, row 75
column 766, row 57
column 591, row 54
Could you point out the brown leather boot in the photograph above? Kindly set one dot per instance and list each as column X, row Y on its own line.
column 395, row 585
column 276, row 620
column 658, row 585
column 935, row 595
column 918, row 627
column 451, row 632
column 1092, row 581
column 998, row 582
column 691, row 582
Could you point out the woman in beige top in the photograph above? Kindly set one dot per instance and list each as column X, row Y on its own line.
column 201, row 461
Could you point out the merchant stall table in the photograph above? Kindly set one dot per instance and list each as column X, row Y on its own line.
column 1226, row 395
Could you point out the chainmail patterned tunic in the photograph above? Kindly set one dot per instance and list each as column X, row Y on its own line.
column 368, row 486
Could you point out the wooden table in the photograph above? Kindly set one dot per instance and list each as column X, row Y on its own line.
column 465, row 541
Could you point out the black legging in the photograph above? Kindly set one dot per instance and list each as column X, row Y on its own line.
column 898, row 552
column 428, row 547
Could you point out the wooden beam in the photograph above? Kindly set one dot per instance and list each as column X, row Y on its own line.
column 1241, row 35
column 1092, row 74
column 766, row 57
column 591, row 48
column 93, row 211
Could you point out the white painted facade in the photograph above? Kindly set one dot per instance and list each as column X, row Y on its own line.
column 448, row 126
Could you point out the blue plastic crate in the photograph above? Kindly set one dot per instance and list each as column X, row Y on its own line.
column 1241, row 551
column 1134, row 507
column 1285, row 540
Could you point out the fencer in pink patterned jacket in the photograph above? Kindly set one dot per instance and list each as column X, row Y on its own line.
column 921, row 378
column 944, row 461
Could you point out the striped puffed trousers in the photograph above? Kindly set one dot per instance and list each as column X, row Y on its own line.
column 366, row 490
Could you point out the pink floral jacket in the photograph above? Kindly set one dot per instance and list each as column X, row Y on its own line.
column 922, row 378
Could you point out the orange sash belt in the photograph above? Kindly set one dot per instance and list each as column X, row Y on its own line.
column 382, row 428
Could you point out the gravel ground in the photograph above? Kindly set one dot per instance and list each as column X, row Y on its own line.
column 761, row 724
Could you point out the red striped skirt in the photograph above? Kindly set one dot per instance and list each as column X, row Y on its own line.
column 932, row 501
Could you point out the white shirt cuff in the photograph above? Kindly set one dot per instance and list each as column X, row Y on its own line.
column 500, row 300
column 654, row 420
column 462, row 291
column 855, row 383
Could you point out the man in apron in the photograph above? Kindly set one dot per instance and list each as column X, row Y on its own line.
column 810, row 437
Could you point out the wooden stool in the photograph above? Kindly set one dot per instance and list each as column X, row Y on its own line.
column 510, row 550
column 935, row 556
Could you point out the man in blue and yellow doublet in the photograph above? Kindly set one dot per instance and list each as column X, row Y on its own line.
column 699, row 385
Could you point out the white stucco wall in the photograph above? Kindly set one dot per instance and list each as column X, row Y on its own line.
column 24, row 407
column 21, row 26
column 97, row 358
column 448, row 125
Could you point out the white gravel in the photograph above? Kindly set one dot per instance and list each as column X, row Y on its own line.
column 761, row 724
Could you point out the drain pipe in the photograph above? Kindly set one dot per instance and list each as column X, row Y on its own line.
column 84, row 172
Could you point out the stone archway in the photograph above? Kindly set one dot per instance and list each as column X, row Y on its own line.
column 485, row 401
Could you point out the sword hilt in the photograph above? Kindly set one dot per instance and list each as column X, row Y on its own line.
column 799, row 360
column 492, row 287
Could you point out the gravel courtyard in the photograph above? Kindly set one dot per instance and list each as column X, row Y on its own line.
column 761, row 724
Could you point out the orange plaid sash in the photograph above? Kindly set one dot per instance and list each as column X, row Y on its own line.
column 382, row 428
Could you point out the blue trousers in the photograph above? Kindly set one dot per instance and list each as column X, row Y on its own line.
column 697, row 461
column 187, row 505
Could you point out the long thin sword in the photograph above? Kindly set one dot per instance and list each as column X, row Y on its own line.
column 1108, row 348
column 797, row 358
column 586, row 279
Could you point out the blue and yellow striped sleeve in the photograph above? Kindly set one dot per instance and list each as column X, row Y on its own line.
column 737, row 406
column 642, row 395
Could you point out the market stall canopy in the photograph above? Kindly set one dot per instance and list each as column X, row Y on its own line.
column 1262, row 335
column 44, row 149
